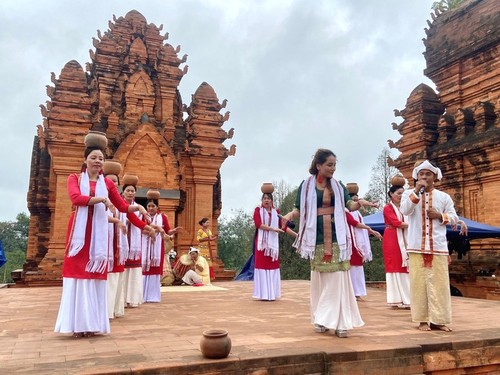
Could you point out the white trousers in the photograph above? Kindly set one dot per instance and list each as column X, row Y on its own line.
column 333, row 303
column 133, row 286
column 83, row 307
column 267, row 284
column 116, row 296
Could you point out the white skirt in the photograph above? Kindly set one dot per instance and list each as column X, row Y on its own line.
column 133, row 286
column 357, row 274
column 267, row 284
column 116, row 297
column 333, row 303
column 151, row 291
column 398, row 288
column 83, row 307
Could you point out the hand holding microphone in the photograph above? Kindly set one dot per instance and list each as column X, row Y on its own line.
column 421, row 185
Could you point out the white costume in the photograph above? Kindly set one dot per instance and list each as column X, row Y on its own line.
column 333, row 304
column 428, row 251
column 199, row 276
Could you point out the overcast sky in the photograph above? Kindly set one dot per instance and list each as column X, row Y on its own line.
column 298, row 75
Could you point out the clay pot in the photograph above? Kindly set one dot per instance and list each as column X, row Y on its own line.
column 398, row 180
column 130, row 179
column 153, row 194
column 352, row 188
column 111, row 167
column 267, row 188
column 215, row 344
column 96, row 139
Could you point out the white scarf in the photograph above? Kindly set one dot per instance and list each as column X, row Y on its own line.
column 362, row 239
column 152, row 248
column 401, row 236
column 111, row 248
column 305, row 242
column 122, row 241
column 98, row 249
column 135, row 235
column 267, row 240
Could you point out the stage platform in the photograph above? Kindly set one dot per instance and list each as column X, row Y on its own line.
column 267, row 337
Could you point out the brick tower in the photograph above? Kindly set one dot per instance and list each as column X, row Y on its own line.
column 459, row 128
column 130, row 92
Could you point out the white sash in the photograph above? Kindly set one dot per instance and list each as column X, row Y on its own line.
column 98, row 250
column 267, row 240
column 401, row 233
column 152, row 248
column 305, row 242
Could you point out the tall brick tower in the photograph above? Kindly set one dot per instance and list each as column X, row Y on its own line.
column 130, row 92
column 459, row 128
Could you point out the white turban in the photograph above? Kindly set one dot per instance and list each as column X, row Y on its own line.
column 427, row 165
column 193, row 250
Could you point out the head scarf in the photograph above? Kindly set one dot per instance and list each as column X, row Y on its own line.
column 427, row 165
column 193, row 250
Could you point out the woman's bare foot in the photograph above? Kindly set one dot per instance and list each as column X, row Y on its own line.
column 77, row 335
column 89, row 334
column 440, row 327
column 424, row 327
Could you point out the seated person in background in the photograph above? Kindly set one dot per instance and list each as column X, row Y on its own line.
column 199, row 272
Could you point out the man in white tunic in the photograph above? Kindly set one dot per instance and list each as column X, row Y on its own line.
column 428, row 211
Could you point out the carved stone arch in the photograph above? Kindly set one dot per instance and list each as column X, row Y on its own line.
column 145, row 153
column 139, row 96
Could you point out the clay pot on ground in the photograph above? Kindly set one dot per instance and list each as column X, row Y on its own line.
column 215, row 344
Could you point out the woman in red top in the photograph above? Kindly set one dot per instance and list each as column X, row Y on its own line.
column 83, row 309
column 394, row 250
column 268, row 224
column 154, row 253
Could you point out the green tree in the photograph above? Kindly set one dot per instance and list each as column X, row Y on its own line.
column 293, row 266
column 375, row 270
column 444, row 5
column 14, row 237
column 380, row 181
column 235, row 239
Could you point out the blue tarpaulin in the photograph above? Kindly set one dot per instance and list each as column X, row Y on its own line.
column 475, row 230
column 3, row 259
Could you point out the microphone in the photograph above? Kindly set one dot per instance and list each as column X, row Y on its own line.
column 422, row 190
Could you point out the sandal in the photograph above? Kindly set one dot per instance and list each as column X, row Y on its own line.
column 318, row 328
column 342, row 333
column 440, row 327
column 78, row 335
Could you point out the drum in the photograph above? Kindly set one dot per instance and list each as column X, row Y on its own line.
column 167, row 278
column 182, row 266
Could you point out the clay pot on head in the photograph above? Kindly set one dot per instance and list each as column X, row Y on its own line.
column 96, row 139
column 111, row 167
column 267, row 187
column 352, row 188
column 153, row 194
column 398, row 180
column 215, row 344
column 130, row 179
